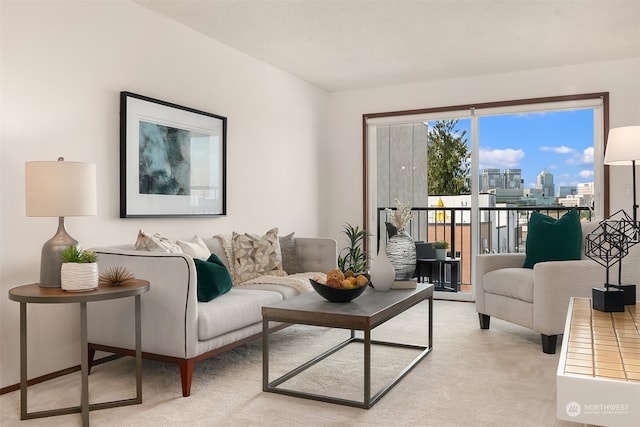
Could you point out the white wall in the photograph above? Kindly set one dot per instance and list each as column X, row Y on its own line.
column 620, row 78
column 63, row 65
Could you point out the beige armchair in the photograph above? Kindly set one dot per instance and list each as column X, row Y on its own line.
column 535, row 298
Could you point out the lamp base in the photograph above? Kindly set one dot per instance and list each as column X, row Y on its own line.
column 607, row 300
column 51, row 257
column 629, row 293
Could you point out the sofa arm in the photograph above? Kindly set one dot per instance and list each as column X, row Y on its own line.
column 489, row 262
column 554, row 283
column 169, row 310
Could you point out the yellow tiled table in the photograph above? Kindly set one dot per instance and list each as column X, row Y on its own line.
column 598, row 378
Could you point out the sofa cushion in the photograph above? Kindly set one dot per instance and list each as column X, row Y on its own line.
column 213, row 278
column 510, row 282
column 196, row 248
column 290, row 262
column 156, row 243
column 549, row 239
column 256, row 256
column 285, row 291
column 234, row 310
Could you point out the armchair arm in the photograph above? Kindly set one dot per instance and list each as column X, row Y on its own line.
column 554, row 283
column 489, row 262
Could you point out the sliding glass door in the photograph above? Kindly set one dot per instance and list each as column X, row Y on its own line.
column 531, row 153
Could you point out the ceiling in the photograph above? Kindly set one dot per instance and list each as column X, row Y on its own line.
column 350, row 44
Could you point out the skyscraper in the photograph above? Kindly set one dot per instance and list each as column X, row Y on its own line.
column 544, row 182
column 490, row 179
column 512, row 179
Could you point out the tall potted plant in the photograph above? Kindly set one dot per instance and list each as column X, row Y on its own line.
column 79, row 270
column 353, row 257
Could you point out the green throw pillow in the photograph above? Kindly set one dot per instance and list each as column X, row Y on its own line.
column 550, row 239
column 213, row 278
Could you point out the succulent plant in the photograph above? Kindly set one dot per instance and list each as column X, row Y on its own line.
column 77, row 255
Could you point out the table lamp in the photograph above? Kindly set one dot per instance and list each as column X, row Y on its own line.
column 58, row 189
column 623, row 148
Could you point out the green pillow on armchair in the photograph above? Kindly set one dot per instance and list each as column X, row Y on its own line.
column 550, row 239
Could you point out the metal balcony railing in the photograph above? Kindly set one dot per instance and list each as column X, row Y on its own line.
column 501, row 229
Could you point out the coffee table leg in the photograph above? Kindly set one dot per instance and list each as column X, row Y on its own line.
column 367, row 368
column 430, row 322
column 265, row 354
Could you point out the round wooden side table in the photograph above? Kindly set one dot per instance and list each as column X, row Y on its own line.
column 35, row 294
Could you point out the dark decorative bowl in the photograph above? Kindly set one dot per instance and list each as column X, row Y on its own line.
column 337, row 295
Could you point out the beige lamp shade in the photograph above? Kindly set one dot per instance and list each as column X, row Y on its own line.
column 60, row 188
column 623, row 146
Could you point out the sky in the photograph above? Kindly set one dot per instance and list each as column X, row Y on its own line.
column 560, row 141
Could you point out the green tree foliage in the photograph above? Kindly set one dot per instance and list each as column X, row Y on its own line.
column 448, row 160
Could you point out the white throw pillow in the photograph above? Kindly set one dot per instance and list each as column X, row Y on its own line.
column 256, row 256
column 195, row 248
column 156, row 243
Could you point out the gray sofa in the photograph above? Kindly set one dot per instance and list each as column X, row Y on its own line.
column 176, row 327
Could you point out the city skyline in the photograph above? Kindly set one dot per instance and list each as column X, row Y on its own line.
column 559, row 141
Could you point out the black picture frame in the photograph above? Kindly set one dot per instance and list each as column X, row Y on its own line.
column 172, row 160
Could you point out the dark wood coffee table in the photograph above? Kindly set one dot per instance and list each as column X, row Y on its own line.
column 365, row 313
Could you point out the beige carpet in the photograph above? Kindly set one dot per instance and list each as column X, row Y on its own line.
column 498, row 377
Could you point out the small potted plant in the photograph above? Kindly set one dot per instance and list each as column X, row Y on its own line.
column 352, row 257
column 79, row 270
column 441, row 247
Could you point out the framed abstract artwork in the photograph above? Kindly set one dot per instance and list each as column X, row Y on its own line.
column 172, row 159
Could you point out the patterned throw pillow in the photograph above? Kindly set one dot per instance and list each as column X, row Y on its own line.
column 256, row 256
column 196, row 248
column 156, row 243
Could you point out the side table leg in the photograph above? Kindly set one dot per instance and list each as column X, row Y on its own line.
column 455, row 272
column 138, row 350
column 84, row 363
column 23, row 360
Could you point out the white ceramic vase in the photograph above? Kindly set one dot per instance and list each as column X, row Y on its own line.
column 382, row 271
column 79, row 277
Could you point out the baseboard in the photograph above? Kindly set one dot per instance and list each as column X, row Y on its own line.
column 52, row 375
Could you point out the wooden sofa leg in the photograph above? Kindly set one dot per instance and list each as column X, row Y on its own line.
column 186, row 374
column 484, row 320
column 549, row 343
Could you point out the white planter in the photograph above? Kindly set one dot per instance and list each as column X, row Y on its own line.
column 79, row 277
column 441, row 254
